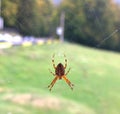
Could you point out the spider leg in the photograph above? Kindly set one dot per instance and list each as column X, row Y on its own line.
column 65, row 62
column 68, row 82
column 68, row 71
column 52, row 83
column 53, row 62
column 51, row 72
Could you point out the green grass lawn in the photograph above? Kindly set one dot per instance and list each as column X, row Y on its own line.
column 24, row 77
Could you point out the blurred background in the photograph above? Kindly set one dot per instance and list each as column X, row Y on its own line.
column 86, row 31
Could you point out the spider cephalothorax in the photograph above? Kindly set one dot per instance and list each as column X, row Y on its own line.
column 60, row 73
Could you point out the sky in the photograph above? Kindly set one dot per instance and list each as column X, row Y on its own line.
column 117, row 1
column 56, row 2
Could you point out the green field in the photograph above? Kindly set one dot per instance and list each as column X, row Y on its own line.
column 24, row 77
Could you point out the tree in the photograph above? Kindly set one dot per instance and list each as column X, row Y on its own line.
column 34, row 17
column 90, row 22
column 44, row 12
column 9, row 12
column 26, row 22
column 74, row 19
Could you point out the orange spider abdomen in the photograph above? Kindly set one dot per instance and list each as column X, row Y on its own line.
column 60, row 71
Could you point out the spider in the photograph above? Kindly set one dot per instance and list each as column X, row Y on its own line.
column 60, row 73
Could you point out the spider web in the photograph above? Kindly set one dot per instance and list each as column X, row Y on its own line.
column 83, row 69
column 108, row 37
column 98, row 22
column 60, row 52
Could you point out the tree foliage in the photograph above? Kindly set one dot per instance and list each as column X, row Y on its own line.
column 34, row 17
column 44, row 16
column 90, row 22
column 9, row 9
column 30, row 17
column 26, row 17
